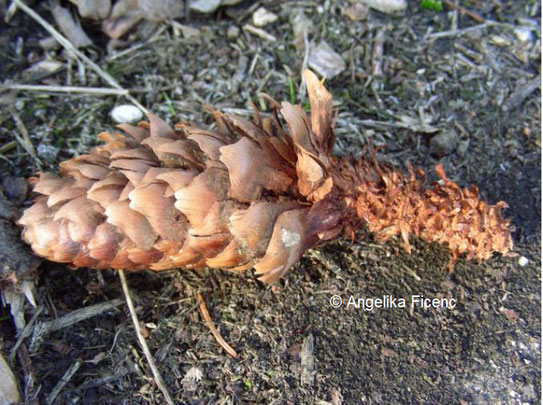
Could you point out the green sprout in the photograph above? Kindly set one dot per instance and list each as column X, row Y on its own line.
column 171, row 110
column 434, row 5
column 291, row 91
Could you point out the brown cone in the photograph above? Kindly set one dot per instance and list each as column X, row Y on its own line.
column 247, row 195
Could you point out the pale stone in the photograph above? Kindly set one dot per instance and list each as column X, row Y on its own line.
column 262, row 17
column 325, row 61
column 232, row 32
column 356, row 12
column 524, row 34
column 205, row 6
column 387, row 6
column 126, row 113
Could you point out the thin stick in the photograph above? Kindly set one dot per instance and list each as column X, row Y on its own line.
column 25, row 333
column 207, row 318
column 259, row 32
column 302, row 88
column 102, row 91
column 521, row 94
column 464, row 11
column 62, row 383
column 68, row 45
column 12, row 9
column 377, row 53
column 8, row 146
column 41, row 329
column 25, row 141
column 143, row 343
column 126, row 51
column 455, row 33
column 80, row 315
column 30, row 377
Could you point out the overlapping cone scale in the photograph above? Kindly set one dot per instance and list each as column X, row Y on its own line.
column 251, row 194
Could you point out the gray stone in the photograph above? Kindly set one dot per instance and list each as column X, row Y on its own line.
column 232, row 32
column 356, row 12
column 325, row 61
column 443, row 143
column 47, row 152
column 94, row 9
column 204, row 6
column 161, row 10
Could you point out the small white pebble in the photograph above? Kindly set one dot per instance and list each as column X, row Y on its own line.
column 262, row 17
column 387, row 6
column 524, row 34
column 499, row 41
column 522, row 261
column 19, row 105
column 126, row 113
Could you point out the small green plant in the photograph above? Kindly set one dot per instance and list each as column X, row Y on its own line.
column 291, row 91
column 169, row 103
column 433, row 5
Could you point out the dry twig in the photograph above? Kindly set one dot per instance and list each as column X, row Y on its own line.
column 62, row 383
column 209, row 322
column 303, row 87
column 42, row 329
column 377, row 53
column 259, row 33
column 465, row 11
column 454, row 33
column 135, row 47
column 12, row 9
column 518, row 97
column 79, row 315
column 25, row 333
column 25, row 141
column 99, row 91
column 30, row 391
column 158, row 378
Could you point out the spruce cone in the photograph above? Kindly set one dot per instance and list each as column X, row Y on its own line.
column 247, row 195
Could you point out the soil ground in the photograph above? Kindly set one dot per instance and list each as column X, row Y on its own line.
column 438, row 73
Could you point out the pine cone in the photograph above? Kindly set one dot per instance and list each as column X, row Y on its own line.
column 246, row 195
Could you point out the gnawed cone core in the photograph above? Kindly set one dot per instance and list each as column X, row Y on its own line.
column 248, row 195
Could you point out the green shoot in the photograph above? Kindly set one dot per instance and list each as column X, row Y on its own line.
column 291, row 91
column 433, row 5
column 171, row 109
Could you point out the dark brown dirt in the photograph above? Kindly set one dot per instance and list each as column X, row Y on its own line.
column 485, row 350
